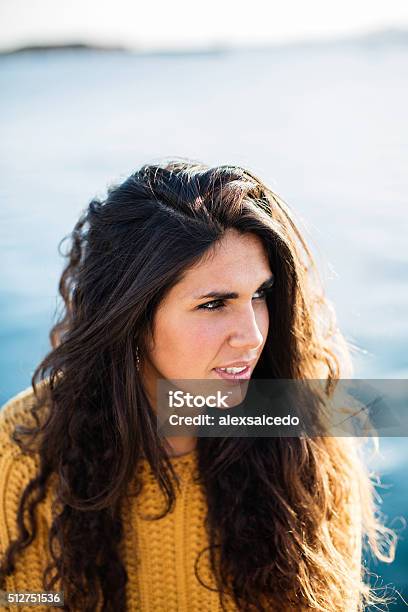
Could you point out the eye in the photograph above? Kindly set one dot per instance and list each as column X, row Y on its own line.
column 218, row 304
column 262, row 293
column 214, row 305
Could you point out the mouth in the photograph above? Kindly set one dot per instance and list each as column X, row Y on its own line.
column 245, row 374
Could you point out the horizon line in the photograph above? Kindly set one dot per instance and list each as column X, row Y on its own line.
column 388, row 34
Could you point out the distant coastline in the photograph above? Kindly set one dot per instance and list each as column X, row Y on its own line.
column 45, row 48
column 381, row 38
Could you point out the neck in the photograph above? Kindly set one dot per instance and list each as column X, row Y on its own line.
column 175, row 445
column 180, row 445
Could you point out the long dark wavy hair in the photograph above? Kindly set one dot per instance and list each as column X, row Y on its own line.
column 289, row 499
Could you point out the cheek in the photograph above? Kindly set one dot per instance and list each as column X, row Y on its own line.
column 185, row 340
column 204, row 334
column 209, row 338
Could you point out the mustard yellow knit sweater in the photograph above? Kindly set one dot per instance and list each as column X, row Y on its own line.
column 159, row 555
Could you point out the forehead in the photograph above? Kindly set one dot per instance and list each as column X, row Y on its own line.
column 238, row 262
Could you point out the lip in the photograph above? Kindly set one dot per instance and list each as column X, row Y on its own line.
column 237, row 364
column 244, row 375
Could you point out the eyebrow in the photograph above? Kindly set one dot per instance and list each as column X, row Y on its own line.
column 233, row 295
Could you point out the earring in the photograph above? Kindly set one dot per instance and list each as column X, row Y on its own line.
column 137, row 359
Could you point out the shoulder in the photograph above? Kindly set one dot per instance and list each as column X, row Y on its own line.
column 17, row 468
column 26, row 409
column 17, row 410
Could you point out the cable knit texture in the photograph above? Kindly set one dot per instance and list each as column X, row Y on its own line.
column 159, row 555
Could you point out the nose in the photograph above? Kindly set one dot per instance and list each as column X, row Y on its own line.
column 246, row 329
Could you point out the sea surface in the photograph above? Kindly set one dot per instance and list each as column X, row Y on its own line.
column 325, row 125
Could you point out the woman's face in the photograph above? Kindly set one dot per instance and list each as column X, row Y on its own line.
column 193, row 335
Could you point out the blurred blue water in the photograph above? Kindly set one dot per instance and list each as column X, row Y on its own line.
column 325, row 126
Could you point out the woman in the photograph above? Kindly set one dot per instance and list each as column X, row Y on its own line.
column 183, row 271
